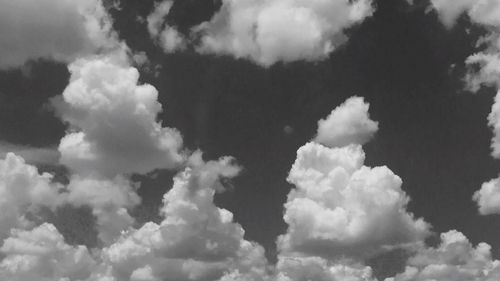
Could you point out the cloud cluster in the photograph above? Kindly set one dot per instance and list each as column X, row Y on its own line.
column 280, row 30
column 61, row 30
column 340, row 211
column 41, row 254
column 195, row 241
column 454, row 259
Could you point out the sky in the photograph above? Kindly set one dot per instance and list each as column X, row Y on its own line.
column 249, row 140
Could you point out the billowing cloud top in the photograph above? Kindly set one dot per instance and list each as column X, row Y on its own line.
column 349, row 123
column 341, row 209
column 280, row 30
column 113, row 122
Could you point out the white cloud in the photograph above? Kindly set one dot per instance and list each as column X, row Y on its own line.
column 341, row 208
column 455, row 259
column 488, row 197
column 195, row 241
column 23, row 189
column 484, row 71
column 168, row 37
column 486, row 12
column 41, row 254
column 280, row 30
column 348, row 123
column 62, row 30
column 113, row 122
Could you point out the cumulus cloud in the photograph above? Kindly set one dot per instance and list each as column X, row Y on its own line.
column 109, row 200
column 166, row 36
column 454, row 259
column 41, row 254
column 485, row 12
column 195, row 241
column 22, row 190
column 113, row 122
column 488, row 197
column 340, row 207
column 347, row 124
column 61, row 30
column 280, row 30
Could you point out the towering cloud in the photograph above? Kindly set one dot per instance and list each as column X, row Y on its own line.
column 342, row 211
column 61, row 30
column 195, row 241
column 112, row 119
column 280, row 30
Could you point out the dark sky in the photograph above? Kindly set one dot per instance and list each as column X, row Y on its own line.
column 433, row 133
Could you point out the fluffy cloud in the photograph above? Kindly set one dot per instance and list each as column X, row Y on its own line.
column 195, row 241
column 280, row 30
column 168, row 37
column 61, row 30
column 339, row 207
column 348, row 123
column 112, row 119
column 455, row 259
column 41, row 254
column 23, row 189
column 488, row 197
column 342, row 208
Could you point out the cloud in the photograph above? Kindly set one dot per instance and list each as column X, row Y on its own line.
column 341, row 208
column 486, row 12
column 32, row 155
column 454, row 259
column 348, row 123
column 484, row 70
column 60, row 30
column 22, row 190
column 318, row 269
column 113, row 122
column 195, row 241
column 41, row 254
column 488, row 197
column 267, row 32
column 109, row 200
column 166, row 36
